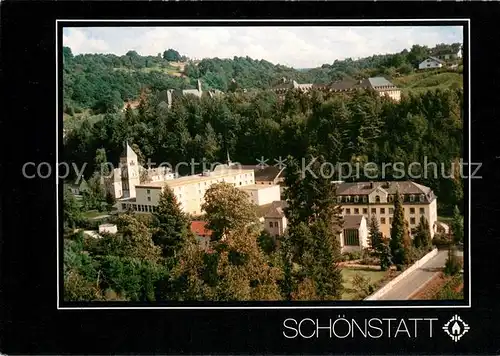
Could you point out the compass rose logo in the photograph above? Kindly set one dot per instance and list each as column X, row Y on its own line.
column 456, row 328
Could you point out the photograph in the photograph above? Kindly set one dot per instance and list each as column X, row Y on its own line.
column 257, row 163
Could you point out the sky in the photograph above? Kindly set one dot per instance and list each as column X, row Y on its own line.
column 298, row 47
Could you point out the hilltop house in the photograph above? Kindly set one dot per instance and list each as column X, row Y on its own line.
column 446, row 54
column 431, row 63
column 202, row 234
column 285, row 85
column 275, row 221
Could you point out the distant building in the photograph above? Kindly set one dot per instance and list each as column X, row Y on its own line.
column 108, row 228
column 447, row 53
column 171, row 94
column 275, row 221
column 431, row 63
column 380, row 84
column 285, row 85
column 354, row 235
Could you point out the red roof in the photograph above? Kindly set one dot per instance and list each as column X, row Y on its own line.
column 198, row 228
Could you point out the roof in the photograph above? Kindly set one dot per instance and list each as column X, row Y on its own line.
column 377, row 82
column 353, row 221
column 199, row 228
column 276, row 210
column 365, row 188
column 435, row 59
column 256, row 186
column 268, row 173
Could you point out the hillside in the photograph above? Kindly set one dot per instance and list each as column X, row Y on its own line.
column 103, row 82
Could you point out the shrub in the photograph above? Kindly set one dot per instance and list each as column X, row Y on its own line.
column 452, row 266
column 362, row 285
column 441, row 240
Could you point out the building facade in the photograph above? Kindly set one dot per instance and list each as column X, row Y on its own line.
column 354, row 235
column 377, row 199
column 275, row 221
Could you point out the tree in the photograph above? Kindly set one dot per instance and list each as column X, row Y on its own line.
column 422, row 237
column 227, row 208
column 170, row 223
column 101, row 161
column 457, row 226
column 452, row 265
column 374, row 232
column 400, row 238
column 385, row 255
column 135, row 240
column 312, row 241
column 171, row 55
column 71, row 210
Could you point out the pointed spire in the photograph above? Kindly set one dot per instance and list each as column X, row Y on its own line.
column 228, row 159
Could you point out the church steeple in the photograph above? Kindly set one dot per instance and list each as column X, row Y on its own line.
column 228, row 159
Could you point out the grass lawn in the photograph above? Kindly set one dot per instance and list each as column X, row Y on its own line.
column 93, row 213
column 349, row 273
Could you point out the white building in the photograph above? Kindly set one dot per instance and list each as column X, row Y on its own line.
column 431, row 63
column 108, row 228
column 189, row 190
column 354, row 235
column 275, row 221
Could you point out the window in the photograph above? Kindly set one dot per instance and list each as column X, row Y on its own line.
column 377, row 199
column 391, row 210
column 124, row 206
column 271, row 224
column 365, row 210
column 356, row 199
column 374, row 210
column 275, row 224
column 347, row 199
column 422, row 211
column 180, row 196
column 148, row 191
column 348, row 211
column 351, row 237
column 412, row 198
column 149, row 198
column 382, row 210
column 364, row 199
column 269, row 183
column 119, row 193
column 422, row 198
column 390, row 221
column 240, row 183
column 382, row 221
column 412, row 221
column 339, row 199
column 412, row 210
column 356, row 211
column 135, row 207
column 391, row 198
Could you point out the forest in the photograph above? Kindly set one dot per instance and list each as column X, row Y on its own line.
column 103, row 82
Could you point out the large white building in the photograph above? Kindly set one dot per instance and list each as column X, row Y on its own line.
column 142, row 197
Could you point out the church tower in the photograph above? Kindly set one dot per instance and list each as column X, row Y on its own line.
column 130, row 171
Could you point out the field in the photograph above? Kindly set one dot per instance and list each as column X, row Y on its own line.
column 349, row 273
column 430, row 80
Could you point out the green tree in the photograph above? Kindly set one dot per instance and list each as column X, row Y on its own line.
column 452, row 265
column 400, row 238
column 171, row 55
column 457, row 226
column 385, row 255
column 227, row 208
column 135, row 239
column 314, row 227
column 171, row 224
column 374, row 233
column 100, row 162
column 71, row 210
column 422, row 237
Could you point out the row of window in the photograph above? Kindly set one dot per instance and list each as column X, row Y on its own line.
column 139, row 207
column 347, row 211
column 364, row 198
column 271, row 224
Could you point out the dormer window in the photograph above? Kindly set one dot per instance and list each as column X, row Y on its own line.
column 422, row 198
column 377, row 199
column 391, row 198
column 364, row 199
column 347, row 199
column 412, row 198
column 356, row 199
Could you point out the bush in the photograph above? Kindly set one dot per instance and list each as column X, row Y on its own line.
column 362, row 285
column 440, row 241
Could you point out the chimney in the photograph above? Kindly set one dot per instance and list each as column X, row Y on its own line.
column 371, row 185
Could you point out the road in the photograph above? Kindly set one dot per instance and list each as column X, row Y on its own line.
column 415, row 280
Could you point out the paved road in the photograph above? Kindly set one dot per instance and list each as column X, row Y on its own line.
column 409, row 285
